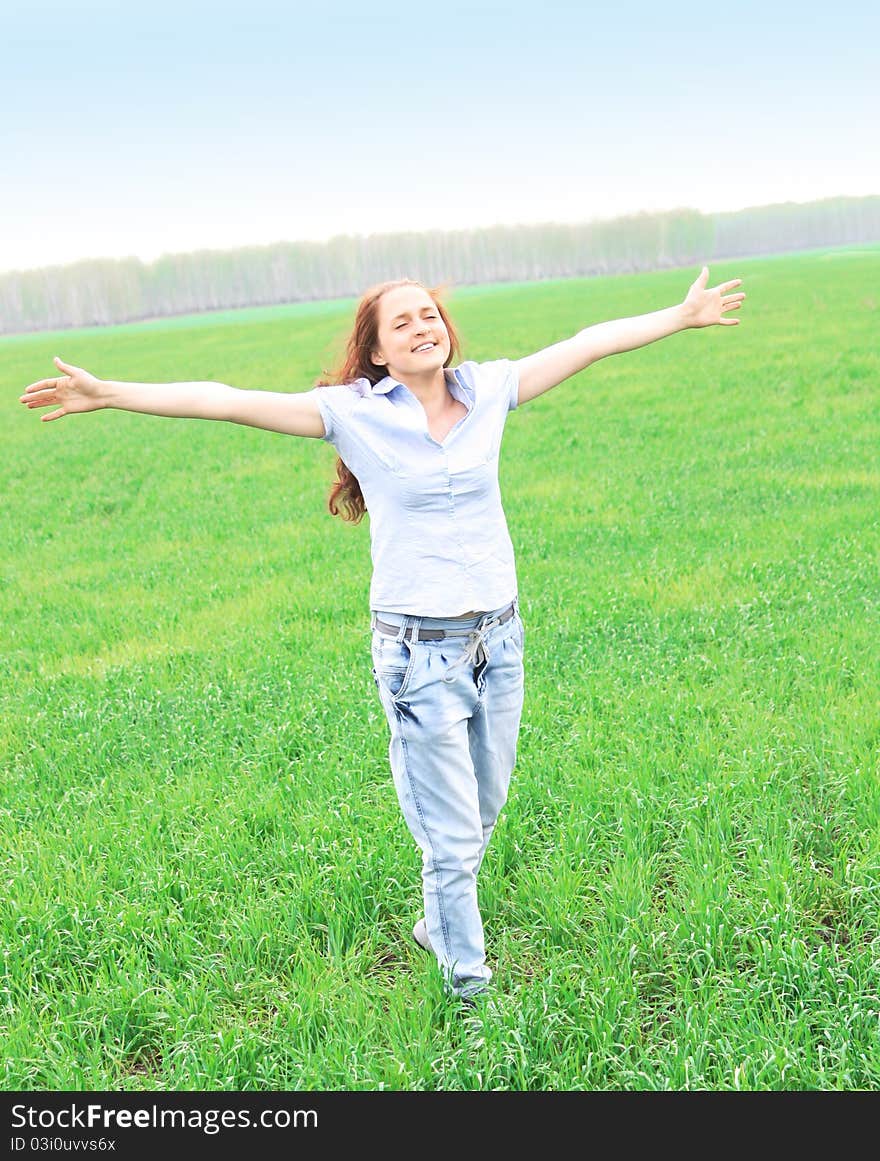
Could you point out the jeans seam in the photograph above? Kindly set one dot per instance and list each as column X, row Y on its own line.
column 444, row 929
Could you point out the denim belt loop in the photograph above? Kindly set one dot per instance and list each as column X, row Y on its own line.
column 405, row 625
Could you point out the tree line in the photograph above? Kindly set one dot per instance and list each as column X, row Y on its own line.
column 104, row 291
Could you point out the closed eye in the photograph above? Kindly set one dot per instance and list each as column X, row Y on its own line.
column 399, row 325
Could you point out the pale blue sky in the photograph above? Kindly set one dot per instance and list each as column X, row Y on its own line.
column 147, row 128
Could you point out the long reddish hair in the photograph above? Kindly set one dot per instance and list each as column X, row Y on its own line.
column 346, row 499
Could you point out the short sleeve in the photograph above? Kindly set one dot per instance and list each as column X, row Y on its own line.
column 511, row 383
column 337, row 404
column 501, row 378
column 328, row 415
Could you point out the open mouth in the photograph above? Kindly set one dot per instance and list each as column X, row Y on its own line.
column 424, row 347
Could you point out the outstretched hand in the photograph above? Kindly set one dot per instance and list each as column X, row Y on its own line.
column 73, row 391
column 704, row 308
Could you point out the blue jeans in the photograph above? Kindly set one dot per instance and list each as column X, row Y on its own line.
column 453, row 707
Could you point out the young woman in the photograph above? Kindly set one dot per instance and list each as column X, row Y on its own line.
column 418, row 445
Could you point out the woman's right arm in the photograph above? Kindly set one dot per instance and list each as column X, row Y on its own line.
column 76, row 391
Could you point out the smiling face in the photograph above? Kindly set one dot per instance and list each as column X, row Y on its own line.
column 412, row 338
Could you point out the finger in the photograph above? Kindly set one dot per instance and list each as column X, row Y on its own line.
column 731, row 305
column 65, row 366
column 729, row 322
column 39, row 386
column 703, row 277
column 39, row 398
column 53, row 415
column 730, row 285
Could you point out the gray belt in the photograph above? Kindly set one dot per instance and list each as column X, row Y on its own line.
column 475, row 652
column 415, row 634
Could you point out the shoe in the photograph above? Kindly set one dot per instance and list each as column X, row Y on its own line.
column 420, row 935
column 481, row 1005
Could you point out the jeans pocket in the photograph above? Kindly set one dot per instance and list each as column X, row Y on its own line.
column 522, row 632
column 393, row 663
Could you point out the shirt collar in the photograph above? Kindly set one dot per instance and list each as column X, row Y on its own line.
column 388, row 383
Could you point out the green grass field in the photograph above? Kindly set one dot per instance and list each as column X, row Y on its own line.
column 207, row 880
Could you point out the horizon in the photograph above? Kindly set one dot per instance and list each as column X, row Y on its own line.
column 147, row 261
column 199, row 126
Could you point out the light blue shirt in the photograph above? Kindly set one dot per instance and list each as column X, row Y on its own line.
column 438, row 534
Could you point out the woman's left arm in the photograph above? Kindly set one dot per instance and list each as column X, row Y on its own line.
column 701, row 308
